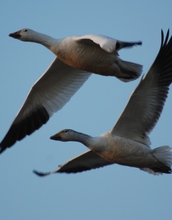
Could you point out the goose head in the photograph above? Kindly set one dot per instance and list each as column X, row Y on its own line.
column 24, row 34
column 64, row 135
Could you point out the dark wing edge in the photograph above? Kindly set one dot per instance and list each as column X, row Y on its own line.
column 84, row 162
column 48, row 95
column 20, row 129
column 164, row 72
column 147, row 101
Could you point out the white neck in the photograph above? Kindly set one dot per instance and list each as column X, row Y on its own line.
column 82, row 138
column 94, row 143
column 45, row 40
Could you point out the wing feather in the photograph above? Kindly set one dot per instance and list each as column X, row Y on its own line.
column 146, row 102
column 86, row 161
column 108, row 44
column 48, row 95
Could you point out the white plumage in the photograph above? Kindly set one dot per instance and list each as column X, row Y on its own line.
column 76, row 58
column 128, row 142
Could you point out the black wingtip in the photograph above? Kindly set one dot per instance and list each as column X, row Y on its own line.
column 164, row 42
column 22, row 128
column 2, row 149
column 41, row 174
column 139, row 43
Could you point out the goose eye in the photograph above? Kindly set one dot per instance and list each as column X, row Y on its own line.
column 25, row 30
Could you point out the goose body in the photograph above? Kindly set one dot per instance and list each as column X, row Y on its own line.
column 128, row 143
column 76, row 58
column 120, row 150
column 90, row 53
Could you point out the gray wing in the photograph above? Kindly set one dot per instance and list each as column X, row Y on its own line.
column 48, row 95
column 106, row 43
column 86, row 161
column 146, row 103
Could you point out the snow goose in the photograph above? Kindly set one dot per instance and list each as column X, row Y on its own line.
column 128, row 142
column 76, row 58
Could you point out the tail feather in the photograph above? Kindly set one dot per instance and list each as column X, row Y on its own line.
column 129, row 71
column 163, row 155
column 151, row 171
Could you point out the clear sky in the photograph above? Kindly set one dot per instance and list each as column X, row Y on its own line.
column 113, row 192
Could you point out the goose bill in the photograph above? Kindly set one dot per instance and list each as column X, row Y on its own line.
column 15, row 35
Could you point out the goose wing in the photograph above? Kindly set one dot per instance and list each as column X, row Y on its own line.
column 106, row 43
column 48, row 95
column 146, row 102
column 86, row 161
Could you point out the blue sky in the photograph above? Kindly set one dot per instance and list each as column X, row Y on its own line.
column 113, row 192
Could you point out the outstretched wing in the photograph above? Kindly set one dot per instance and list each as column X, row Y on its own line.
column 86, row 161
column 48, row 95
column 146, row 102
column 106, row 43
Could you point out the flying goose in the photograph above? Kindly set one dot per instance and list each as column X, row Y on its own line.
column 76, row 58
column 128, row 142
